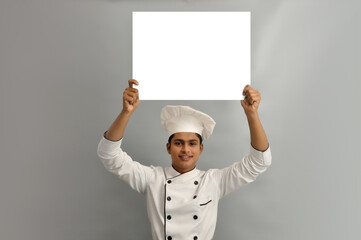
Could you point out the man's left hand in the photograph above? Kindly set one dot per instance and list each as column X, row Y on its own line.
column 251, row 101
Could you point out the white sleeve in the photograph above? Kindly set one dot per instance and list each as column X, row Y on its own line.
column 242, row 172
column 121, row 164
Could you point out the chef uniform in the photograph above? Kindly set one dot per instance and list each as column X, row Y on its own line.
column 182, row 205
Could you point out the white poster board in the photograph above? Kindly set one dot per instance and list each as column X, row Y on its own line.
column 191, row 55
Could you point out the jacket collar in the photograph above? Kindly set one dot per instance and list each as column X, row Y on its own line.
column 171, row 173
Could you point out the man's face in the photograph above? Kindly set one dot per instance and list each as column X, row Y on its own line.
column 185, row 149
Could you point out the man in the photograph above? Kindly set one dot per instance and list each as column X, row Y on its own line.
column 182, row 201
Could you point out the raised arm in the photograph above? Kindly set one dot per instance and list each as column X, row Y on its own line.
column 257, row 161
column 250, row 105
column 130, row 103
column 114, row 159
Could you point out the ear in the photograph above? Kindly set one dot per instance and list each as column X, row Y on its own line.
column 201, row 147
column 168, row 148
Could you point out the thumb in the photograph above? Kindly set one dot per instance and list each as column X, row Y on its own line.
column 243, row 103
column 125, row 103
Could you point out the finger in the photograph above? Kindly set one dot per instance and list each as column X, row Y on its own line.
column 132, row 97
column 253, row 94
column 128, row 92
column 132, row 94
column 257, row 97
column 137, row 102
column 126, row 103
column 252, row 101
column 251, row 91
column 131, row 82
column 128, row 96
column 134, row 90
column 128, row 99
column 248, row 100
column 243, row 103
column 131, row 91
column 246, row 89
column 254, row 97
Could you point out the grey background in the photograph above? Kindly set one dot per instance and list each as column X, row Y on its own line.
column 65, row 64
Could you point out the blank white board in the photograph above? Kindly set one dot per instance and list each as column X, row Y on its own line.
column 191, row 55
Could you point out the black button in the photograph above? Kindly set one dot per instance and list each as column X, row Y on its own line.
column 169, row 217
column 195, row 182
column 195, row 196
column 169, row 238
column 195, row 217
column 169, row 181
column 195, row 237
column 169, row 198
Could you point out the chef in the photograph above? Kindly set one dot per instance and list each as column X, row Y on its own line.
column 182, row 201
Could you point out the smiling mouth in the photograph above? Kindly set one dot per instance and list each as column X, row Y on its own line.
column 185, row 158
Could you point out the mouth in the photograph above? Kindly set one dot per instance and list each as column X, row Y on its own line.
column 185, row 157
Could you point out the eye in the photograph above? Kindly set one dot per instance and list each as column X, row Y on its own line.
column 193, row 143
column 177, row 143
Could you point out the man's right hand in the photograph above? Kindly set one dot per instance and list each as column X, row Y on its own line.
column 130, row 97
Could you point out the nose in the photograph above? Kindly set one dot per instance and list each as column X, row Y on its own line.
column 185, row 148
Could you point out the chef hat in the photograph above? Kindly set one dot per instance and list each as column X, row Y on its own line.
column 186, row 119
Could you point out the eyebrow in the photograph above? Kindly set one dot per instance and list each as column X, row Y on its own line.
column 181, row 140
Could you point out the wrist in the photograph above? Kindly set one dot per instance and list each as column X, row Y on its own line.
column 252, row 115
column 126, row 112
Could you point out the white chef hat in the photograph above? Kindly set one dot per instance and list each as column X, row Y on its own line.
column 186, row 119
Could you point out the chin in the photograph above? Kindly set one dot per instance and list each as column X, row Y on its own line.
column 183, row 167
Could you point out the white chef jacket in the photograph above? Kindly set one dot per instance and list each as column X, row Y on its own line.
column 182, row 206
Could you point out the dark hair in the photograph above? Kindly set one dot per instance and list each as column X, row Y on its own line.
column 199, row 136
